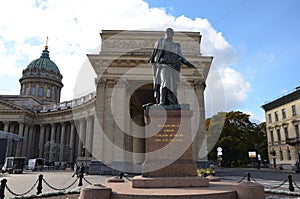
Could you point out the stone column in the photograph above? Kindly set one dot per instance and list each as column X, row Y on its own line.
column 19, row 144
column 62, row 142
column 57, row 133
column 72, row 141
column 8, row 141
column 30, row 142
column 41, row 140
column 138, row 143
column 6, row 125
column 200, row 144
column 12, row 149
column 45, row 91
column 52, row 143
column 119, row 100
column 46, row 147
column 108, row 125
column 81, row 140
column 25, row 139
column 89, row 136
column 99, row 121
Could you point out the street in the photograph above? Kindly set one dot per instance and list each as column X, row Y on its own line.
column 272, row 180
column 263, row 173
column 21, row 183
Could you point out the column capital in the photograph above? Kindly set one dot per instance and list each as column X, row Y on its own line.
column 198, row 84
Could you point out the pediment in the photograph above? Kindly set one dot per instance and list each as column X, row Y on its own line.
column 4, row 105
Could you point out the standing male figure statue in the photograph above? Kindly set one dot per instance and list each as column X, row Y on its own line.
column 166, row 60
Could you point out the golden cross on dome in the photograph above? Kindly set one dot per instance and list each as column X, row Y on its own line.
column 46, row 47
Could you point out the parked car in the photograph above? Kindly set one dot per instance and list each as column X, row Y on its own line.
column 14, row 165
column 36, row 164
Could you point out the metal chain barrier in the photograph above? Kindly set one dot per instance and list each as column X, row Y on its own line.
column 17, row 194
column 291, row 188
column 274, row 187
column 243, row 178
column 128, row 178
column 296, row 185
column 121, row 175
column 87, row 181
column 58, row 189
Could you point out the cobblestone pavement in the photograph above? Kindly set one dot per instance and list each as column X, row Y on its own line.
column 21, row 183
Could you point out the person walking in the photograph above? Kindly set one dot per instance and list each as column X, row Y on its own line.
column 75, row 169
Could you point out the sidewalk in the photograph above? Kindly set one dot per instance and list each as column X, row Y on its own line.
column 255, row 169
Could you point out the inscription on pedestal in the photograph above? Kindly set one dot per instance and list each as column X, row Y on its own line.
column 168, row 150
column 169, row 133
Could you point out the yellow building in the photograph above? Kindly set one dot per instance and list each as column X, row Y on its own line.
column 282, row 123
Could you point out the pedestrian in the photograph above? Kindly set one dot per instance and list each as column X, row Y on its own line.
column 81, row 169
column 75, row 169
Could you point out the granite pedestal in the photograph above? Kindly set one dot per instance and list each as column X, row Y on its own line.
column 169, row 160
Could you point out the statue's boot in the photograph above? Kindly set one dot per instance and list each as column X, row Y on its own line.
column 172, row 98
column 157, row 93
column 163, row 96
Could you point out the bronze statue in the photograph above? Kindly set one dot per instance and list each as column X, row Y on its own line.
column 166, row 60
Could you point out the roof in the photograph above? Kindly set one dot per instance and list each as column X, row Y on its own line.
column 44, row 62
column 293, row 96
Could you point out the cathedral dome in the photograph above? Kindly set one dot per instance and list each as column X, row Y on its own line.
column 43, row 66
column 42, row 79
column 44, row 62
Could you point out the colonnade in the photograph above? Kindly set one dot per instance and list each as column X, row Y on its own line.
column 61, row 141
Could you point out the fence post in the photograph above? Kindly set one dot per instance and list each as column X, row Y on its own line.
column 248, row 177
column 291, row 186
column 80, row 179
column 40, row 185
column 2, row 188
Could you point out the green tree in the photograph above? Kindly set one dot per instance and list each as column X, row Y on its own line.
column 237, row 135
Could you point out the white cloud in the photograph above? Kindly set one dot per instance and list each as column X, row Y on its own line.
column 73, row 29
column 255, row 118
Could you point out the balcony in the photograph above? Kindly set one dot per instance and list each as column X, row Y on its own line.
column 293, row 141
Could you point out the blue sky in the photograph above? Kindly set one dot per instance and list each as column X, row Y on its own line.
column 264, row 34
column 254, row 43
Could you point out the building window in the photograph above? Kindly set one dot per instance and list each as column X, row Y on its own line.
column 280, row 154
column 48, row 93
column 26, row 91
column 278, row 136
column 272, row 137
column 41, row 91
column 283, row 114
column 294, row 110
column 276, row 116
column 33, row 90
column 296, row 130
column 54, row 93
column 286, row 133
column 270, row 117
column 289, row 157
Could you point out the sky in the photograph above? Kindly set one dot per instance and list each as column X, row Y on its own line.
column 254, row 43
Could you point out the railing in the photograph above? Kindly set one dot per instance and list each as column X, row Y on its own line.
column 270, row 189
column 65, row 104
column 39, row 186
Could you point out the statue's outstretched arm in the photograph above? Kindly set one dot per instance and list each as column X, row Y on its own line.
column 187, row 63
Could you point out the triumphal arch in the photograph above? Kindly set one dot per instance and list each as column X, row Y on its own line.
column 124, row 84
